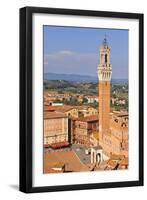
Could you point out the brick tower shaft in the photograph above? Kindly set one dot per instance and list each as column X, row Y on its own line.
column 104, row 106
column 104, row 76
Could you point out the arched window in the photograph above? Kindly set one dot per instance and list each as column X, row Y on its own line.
column 106, row 58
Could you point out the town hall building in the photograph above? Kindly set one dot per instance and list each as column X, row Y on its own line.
column 113, row 127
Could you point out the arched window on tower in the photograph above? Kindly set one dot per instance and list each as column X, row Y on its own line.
column 106, row 58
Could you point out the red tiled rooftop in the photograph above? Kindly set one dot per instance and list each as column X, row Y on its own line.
column 49, row 108
column 88, row 118
column 53, row 115
column 63, row 108
column 69, row 158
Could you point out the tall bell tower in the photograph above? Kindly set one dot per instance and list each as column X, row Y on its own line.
column 104, row 71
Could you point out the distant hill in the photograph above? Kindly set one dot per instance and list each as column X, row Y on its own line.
column 70, row 77
column 79, row 78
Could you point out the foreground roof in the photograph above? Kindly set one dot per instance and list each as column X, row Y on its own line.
column 53, row 115
column 88, row 118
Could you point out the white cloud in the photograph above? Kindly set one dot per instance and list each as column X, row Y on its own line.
column 67, row 61
column 66, row 52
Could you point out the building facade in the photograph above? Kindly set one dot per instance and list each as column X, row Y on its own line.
column 55, row 129
column 113, row 127
column 84, row 128
column 85, row 111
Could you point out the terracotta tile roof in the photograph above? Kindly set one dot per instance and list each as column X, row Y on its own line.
column 117, row 157
column 63, row 108
column 120, row 114
column 53, row 115
column 69, row 158
column 111, row 164
column 124, row 161
column 59, row 145
column 49, row 108
column 56, row 165
column 88, row 118
column 84, row 107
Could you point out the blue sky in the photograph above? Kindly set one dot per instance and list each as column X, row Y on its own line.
column 72, row 50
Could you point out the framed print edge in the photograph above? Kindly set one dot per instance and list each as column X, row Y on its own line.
column 141, row 99
column 26, row 89
column 25, row 143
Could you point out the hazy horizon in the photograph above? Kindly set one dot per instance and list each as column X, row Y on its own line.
column 94, row 76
